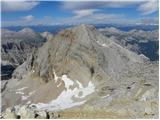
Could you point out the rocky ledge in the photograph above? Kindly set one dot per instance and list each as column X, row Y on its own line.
column 26, row 112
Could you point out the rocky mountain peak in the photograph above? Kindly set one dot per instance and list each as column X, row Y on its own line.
column 85, row 26
column 26, row 30
column 82, row 44
column 80, row 28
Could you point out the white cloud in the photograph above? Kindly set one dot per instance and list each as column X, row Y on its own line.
column 24, row 21
column 10, row 6
column 144, row 6
column 28, row 18
column 84, row 13
column 95, row 16
column 149, row 20
column 107, row 17
column 98, row 4
column 149, row 7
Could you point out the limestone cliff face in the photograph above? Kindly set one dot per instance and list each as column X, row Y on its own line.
column 81, row 66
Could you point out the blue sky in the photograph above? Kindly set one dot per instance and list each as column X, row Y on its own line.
column 25, row 13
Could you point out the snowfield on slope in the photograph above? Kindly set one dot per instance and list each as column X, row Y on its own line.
column 66, row 98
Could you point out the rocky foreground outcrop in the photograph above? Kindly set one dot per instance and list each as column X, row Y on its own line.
column 80, row 71
column 25, row 112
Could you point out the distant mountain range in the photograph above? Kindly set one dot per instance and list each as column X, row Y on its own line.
column 56, row 28
column 139, row 41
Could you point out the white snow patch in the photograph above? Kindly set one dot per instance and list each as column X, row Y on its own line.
column 25, row 97
column 28, row 102
column 98, row 42
column 65, row 99
column 101, row 44
column 19, row 92
column 104, row 45
column 79, row 84
column 55, row 76
column 105, row 96
column 59, row 84
column 68, row 82
column 31, row 93
column 20, row 89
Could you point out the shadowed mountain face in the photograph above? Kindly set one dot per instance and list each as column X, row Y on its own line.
column 139, row 41
column 16, row 47
column 82, row 67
